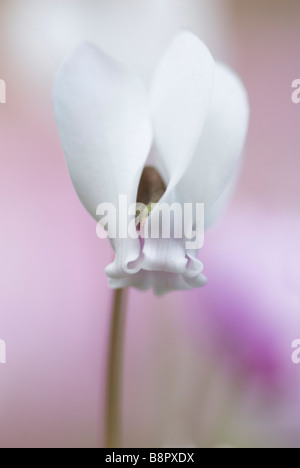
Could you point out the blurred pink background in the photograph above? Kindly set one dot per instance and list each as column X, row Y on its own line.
column 202, row 368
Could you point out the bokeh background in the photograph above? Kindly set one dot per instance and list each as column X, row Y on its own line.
column 202, row 368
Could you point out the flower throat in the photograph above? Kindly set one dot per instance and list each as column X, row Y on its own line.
column 151, row 189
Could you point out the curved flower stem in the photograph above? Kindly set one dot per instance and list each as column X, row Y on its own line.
column 114, row 371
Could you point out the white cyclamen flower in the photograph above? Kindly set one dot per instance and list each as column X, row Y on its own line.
column 192, row 121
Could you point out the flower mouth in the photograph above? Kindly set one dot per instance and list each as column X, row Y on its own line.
column 151, row 189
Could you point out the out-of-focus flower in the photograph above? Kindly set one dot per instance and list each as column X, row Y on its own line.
column 251, row 306
column 193, row 123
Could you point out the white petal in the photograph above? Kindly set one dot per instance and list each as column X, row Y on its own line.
column 167, row 282
column 180, row 96
column 219, row 151
column 128, row 259
column 164, row 255
column 194, row 267
column 163, row 265
column 161, row 282
column 143, row 280
column 103, row 120
column 214, row 212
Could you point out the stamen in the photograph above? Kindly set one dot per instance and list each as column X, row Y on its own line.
column 151, row 189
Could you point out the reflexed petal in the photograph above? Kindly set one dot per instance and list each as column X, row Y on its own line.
column 102, row 115
column 219, row 150
column 180, row 97
column 214, row 212
column 104, row 126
